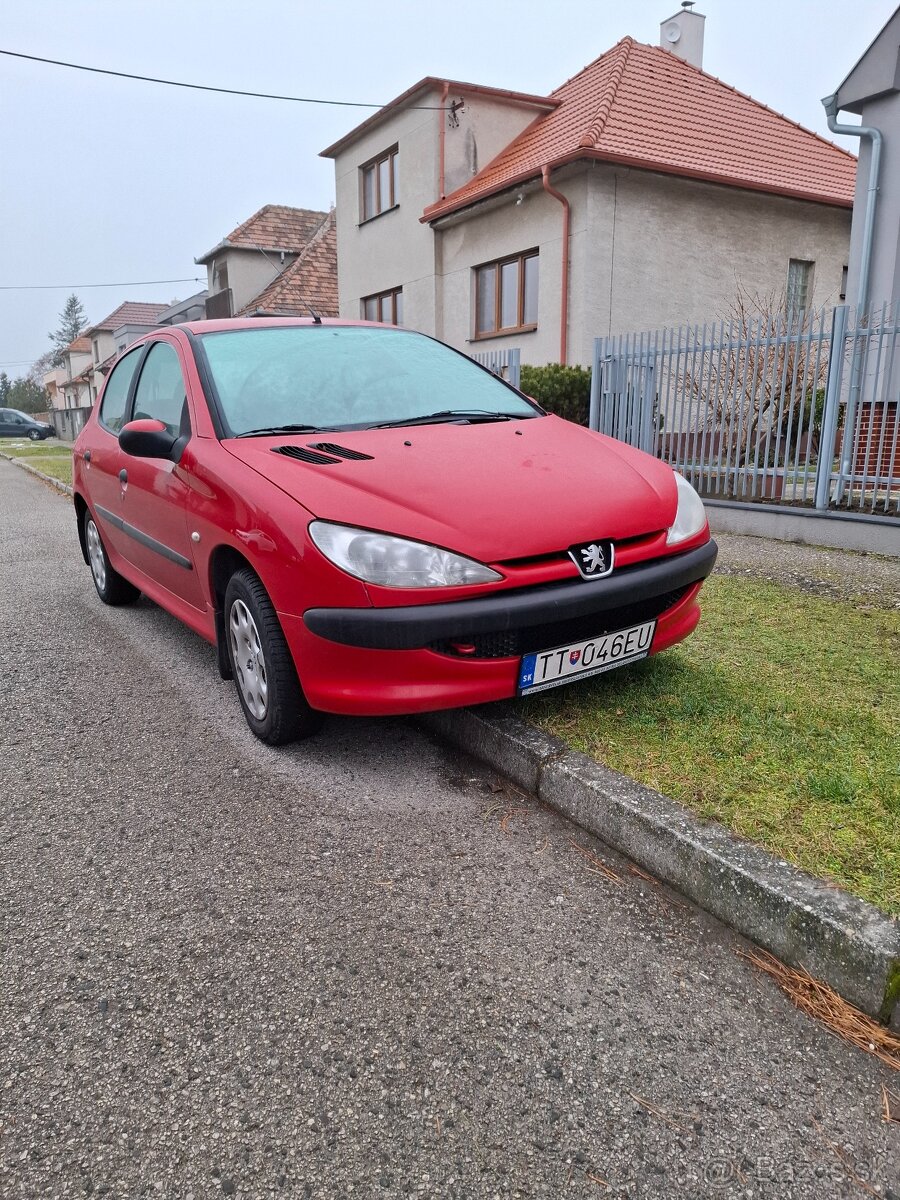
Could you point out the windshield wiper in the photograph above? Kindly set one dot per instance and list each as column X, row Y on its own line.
column 275, row 429
column 471, row 415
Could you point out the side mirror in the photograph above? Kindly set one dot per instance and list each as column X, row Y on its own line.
column 147, row 438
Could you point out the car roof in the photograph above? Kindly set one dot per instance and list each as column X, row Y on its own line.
column 232, row 323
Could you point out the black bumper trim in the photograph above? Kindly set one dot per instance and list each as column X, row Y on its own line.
column 414, row 627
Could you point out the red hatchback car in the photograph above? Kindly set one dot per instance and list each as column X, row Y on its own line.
column 364, row 521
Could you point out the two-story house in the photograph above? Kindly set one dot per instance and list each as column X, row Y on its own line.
column 119, row 329
column 641, row 193
column 282, row 261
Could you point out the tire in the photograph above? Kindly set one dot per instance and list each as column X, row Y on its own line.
column 265, row 677
column 34, row 435
column 111, row 587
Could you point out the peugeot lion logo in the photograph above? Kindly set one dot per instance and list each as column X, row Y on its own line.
column 594, row 560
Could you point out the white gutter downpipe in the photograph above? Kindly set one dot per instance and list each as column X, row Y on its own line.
column 830, row 104
column 875, row 137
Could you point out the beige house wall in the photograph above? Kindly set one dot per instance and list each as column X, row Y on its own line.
column 249, row 272
column 667, row 251
column 393, row 249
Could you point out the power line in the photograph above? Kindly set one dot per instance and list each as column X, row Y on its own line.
column 203, row 87
column 58, row 287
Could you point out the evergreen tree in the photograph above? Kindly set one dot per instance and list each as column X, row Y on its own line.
column 4, row 389
column 72, row 320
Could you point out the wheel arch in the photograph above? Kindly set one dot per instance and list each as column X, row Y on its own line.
column 223, row 562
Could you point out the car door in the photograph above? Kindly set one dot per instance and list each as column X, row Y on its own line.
column 98, row 447
column 7, row 429
column 155, row 491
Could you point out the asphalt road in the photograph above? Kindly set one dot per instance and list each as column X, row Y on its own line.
column 351, row 969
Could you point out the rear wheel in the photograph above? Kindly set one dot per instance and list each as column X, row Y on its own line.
column 264, row 673
column 111, row 587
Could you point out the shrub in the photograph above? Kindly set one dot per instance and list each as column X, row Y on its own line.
column 565, row 391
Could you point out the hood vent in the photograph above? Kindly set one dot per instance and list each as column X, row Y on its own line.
column 307, row 456
column 341, row 451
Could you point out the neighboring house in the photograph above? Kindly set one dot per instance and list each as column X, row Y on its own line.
column 71, row 385
column 281, row 261
column 119, row 329
column 872, row 92
column 642, row 193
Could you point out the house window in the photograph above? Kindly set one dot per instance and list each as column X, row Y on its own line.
column 378, row 185
column 220, row 275
column 799, row 284
column 843, row 292
column 506, row 295
column 96, row 346
column 386, row 307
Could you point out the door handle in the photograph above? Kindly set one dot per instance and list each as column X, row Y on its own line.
column 87, row 456
column 123, row 476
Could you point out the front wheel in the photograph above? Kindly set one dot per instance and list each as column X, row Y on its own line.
column 112, row 588
column 264, row 673
column 34, row 435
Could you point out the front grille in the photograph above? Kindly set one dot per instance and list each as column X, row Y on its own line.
column 510, row 643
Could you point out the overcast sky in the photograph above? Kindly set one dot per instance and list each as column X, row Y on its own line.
column 107, row 180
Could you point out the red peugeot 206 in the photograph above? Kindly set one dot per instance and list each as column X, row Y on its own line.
column 365, row 521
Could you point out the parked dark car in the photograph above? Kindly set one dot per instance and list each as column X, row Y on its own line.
column 18, row 424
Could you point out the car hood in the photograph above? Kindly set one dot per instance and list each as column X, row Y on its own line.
column 498, row 491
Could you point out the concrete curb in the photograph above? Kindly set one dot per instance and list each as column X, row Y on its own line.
column 56, row 483
column 805, row 922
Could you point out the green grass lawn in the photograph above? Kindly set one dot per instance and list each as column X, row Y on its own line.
column 46, row 456
column 777, row 717
column 27, row 449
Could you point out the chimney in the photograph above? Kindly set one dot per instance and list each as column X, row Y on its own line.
column 683, row 34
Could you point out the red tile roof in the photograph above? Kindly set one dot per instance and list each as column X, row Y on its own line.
column 132, row 312
column 642, row 106
column 309, row 282
column 275, row 227
column 81, row 345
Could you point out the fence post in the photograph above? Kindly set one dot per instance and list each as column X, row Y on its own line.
column 594, row 413
column 832, row 405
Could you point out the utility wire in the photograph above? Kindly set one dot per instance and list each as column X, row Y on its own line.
column 203, row 87
column 58, row 287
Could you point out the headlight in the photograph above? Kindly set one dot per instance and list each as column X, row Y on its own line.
column 395, row 561
column 690, row 516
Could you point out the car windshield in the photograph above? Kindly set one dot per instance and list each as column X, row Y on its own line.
column 335, row 377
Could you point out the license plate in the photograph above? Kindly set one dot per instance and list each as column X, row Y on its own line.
column 550, row 668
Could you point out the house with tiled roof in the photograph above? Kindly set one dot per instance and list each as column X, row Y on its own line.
column 643, row 192
column 109, row 337
column 281, row 261
column 69, row 385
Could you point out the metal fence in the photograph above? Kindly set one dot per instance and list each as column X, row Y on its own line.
column 799, row 409
column 505, row 363
column 69, row 422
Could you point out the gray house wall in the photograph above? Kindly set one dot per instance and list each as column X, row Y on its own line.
column 872, row 90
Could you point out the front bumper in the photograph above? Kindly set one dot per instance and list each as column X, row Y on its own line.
column 415, row 628
column 339, row 677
